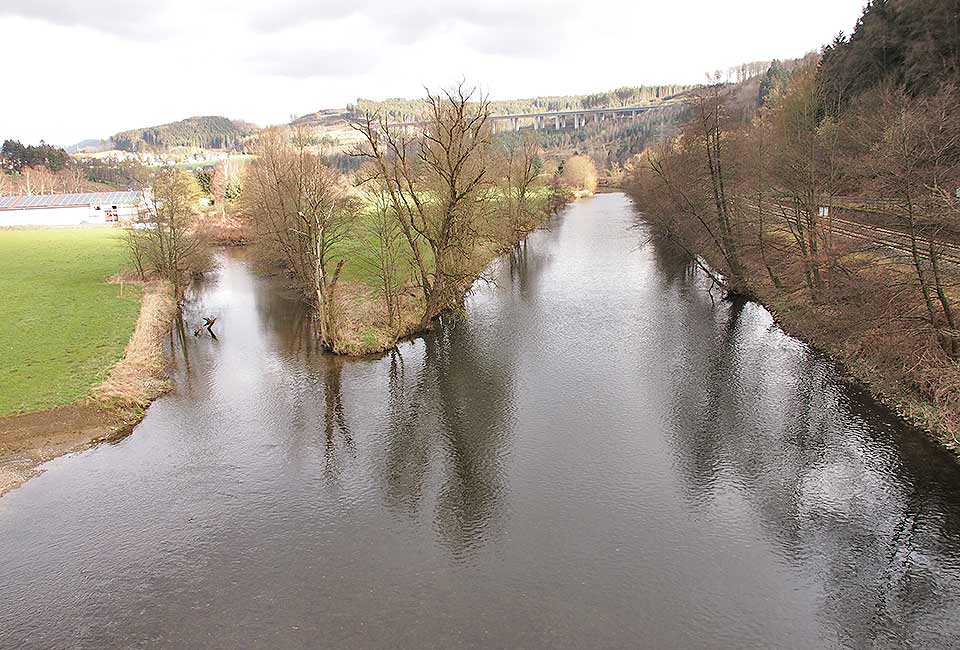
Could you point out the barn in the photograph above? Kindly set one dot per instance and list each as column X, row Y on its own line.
column 69, row 209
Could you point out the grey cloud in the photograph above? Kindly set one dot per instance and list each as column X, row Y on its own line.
column 301, row 63
column 111, row 16
column 516, row 29
column 293, row 13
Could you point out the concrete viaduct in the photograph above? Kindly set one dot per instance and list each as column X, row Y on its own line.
column 559, row 119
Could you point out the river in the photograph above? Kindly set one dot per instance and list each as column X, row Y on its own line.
column 594, row 456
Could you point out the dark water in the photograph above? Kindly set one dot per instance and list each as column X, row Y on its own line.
column 596, row 456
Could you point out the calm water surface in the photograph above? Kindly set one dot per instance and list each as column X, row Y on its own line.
column 596, row 456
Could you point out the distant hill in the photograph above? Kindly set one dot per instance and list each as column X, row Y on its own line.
column 87, row 145
column 206, row 132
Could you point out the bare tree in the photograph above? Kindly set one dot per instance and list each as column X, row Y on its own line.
column 805, row 168
column 436, row 181
column 165, row 238
column 914, row 162
column 383, row 254
column 520, row 167
column 692, row 178
column 224, row 183
column 300, row 213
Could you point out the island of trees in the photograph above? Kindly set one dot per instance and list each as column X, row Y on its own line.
column 379, row 253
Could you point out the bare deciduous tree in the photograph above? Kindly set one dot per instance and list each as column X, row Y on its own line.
column 914, row 160
column 520, row 167
column 165, row 238
column 437, row 183
column 300, row 212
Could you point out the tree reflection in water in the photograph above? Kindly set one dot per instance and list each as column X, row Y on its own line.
column 449, row 420
column 772, row 425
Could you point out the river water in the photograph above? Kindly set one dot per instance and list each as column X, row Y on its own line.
column 594, row 456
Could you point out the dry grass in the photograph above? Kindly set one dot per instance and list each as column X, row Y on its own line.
column 228, row 230
column 140, row 376
column 364, row 326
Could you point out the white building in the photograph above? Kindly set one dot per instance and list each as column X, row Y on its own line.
column 69, row 209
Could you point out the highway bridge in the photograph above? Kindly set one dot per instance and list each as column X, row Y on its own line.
column 560, row 119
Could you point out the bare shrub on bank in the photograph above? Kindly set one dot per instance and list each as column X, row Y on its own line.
column 579, row 174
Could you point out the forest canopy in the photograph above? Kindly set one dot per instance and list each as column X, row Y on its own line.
column 913, row 44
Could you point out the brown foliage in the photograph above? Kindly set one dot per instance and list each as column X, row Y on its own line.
column 761, row 206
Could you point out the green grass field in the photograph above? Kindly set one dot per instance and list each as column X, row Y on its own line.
column 61, row 324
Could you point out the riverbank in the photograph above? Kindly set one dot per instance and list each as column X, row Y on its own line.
column 915, row 382
column 853, row 323
column 29, row 439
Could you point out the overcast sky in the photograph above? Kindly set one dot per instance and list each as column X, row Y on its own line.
column 78, row 69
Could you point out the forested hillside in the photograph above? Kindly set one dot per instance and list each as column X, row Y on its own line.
column 15, row 156
column 612, row 143
column 207, row 132
column 911, row 44
column 832, row 193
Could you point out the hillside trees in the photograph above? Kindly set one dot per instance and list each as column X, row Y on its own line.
column 17, row 156
column 401, row 110
column 757, row 200
column 774, row 79
column 209, row 132
column 911, row 44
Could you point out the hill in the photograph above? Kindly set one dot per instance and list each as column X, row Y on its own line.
column 910, row 44
column 205, row 132
column 91, row 144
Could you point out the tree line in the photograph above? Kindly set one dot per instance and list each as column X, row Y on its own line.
column 15, row 156
column 46, row 169
column 403, row 110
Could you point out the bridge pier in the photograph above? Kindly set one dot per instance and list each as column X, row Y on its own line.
column 556, row 122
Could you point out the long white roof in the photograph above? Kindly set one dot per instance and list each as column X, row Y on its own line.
column 68, row 200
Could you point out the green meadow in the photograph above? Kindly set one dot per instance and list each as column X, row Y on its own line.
column 62, row 325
